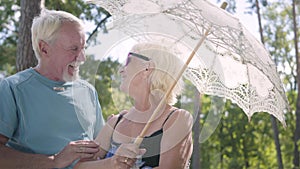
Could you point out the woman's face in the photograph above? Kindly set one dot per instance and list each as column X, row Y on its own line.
column 132, row 78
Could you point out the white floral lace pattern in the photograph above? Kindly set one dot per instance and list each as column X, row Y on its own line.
column 231, row 62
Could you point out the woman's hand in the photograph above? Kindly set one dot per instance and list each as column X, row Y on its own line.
column 125, row 156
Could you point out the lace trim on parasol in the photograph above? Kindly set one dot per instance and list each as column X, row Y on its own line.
column 245, row 96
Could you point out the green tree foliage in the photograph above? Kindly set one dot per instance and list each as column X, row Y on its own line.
column 8, row 33
column 236, row 143
column 101, row 75
column 85, row 11
column 279, row 39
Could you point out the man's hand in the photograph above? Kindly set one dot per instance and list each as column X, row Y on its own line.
column 75, row 150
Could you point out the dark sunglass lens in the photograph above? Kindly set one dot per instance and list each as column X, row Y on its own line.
column 139, row 56
column 127, row 61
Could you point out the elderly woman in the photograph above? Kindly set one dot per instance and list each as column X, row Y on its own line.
column 147, row 75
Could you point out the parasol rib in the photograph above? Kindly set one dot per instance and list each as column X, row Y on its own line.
column 139, row 139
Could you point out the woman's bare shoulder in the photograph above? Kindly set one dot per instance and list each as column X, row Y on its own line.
column 112, row 119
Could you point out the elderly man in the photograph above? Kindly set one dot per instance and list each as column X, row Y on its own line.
column 48, row 116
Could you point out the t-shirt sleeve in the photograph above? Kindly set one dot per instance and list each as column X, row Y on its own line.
column 8, row 109
column 100, row 120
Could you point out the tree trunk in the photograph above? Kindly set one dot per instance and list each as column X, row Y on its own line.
column 273, row 120
column 196, row 131
column 25, row 54
column 297, row 130
column 277, row 143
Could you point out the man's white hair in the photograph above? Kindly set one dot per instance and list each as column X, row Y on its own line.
column 46, row 25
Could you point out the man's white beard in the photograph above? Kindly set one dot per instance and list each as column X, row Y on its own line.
column 68, row 78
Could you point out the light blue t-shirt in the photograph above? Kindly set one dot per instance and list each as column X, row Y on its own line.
column 42, row 116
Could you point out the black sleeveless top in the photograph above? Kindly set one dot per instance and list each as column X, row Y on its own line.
column 150, row 143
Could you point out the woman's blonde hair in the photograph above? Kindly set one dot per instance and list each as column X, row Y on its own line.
column 45, row 27
column 166, row 68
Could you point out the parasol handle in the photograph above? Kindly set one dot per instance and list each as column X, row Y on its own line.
column 139, row 139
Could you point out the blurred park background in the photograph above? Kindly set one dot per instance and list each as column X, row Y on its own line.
column 235, row 142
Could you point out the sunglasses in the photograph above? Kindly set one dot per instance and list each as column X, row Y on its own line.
column 136, row 55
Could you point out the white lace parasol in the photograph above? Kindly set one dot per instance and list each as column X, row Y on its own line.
column 230, row 62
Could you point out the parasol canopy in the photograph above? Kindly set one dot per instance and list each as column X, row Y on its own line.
column 229, row 61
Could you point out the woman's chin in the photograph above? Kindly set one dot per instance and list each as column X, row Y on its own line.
column 123, row 88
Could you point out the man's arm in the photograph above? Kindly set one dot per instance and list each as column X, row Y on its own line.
column 10, row 158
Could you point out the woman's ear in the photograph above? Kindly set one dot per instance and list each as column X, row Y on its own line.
column 149, row 67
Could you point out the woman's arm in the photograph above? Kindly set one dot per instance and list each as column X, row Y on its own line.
column 104, row 137
column 176, row 143
column 124, row 157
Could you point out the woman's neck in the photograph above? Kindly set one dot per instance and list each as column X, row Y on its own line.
column 144, row 108
column 143, row 104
